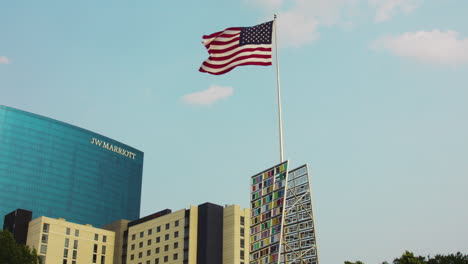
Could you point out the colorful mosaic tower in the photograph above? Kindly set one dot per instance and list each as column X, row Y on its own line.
column 282, row 224
column 267, row 200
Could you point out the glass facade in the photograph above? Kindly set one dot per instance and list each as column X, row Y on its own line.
column 299, row 243
column 58, row 170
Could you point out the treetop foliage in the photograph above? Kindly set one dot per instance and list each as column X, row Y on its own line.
column 409, row 258
column 13, row 253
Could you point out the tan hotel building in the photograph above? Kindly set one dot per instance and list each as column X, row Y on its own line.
column 204, row 234
column 60, row 242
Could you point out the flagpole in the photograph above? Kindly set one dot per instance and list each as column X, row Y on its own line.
column 280, row 121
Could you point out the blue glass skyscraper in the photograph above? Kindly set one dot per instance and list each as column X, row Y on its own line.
column 58, row 170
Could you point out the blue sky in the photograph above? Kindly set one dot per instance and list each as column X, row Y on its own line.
column 374, row 100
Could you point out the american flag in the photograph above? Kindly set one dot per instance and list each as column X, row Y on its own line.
column 238, row 46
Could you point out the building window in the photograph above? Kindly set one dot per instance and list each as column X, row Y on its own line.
column 75, row 244
column 45, row 228
column 148, row 252
column 44, row 238
column 166, row 237
column 242, row 220
column 176, row 244
column 133, row 237
column 175, row 256
column 142, row 234
column 168, row 226
column 140, row 254
column 149, row 242
column 103, row 259
column 74, row 254
column 157, row 250
column 67, row 242
column 96, row 237
column 77, row 232
column 166, row 247
column 158, row 229
column 156, row 261
column 64, row 261
column 166, row 258
column 132, row 247
column 103, row 251
column 94, row 258
column 68, row 231
column 242, row 231
column 73, row 262
column 158, row 239
column 95, row 248
column 242, row 243
column 140, row 245
column 176, row 234
column 104, row 239
column 242, row 254
column 43, row 249
column 65, row 253
column 148, row 262
column 150, row 231
column 176, row 223
column 132, row 257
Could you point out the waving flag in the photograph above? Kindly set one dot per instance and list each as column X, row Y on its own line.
column 237, row 46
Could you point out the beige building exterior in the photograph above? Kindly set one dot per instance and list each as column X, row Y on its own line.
column 119, row 227
column 162, row 240
column 187, row 236
column 60, row 242
column 236, row 233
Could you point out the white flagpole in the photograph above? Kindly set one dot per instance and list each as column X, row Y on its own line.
column 280, row 121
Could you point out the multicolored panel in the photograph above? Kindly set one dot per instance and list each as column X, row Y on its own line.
column 266, row 204
column 299, row 242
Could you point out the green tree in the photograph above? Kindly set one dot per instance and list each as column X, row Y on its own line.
column 458, row 258
column 13, row 253
column 409, row 258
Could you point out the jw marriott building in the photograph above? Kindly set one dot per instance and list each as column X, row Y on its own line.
column 59, row 170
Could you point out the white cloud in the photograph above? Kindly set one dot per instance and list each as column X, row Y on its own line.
column 298, row 20
column 386, row 9
column 209, row 96
column 296, row 29
column 4, row 60
column 270, row 5
column 435, row 46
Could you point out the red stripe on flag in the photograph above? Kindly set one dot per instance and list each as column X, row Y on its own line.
column 239, row 52
column 218, row 66
column 231, row 68
column 219, row 32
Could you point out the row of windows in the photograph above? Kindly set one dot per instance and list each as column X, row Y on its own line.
column 67, row 243
column 103, row 259
column 158, row 229
column 96, row 238
column 156, row 251
column 157, row 240
column 74, row 253
column 175, row 256
column 103, row 249
column 46, row 227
